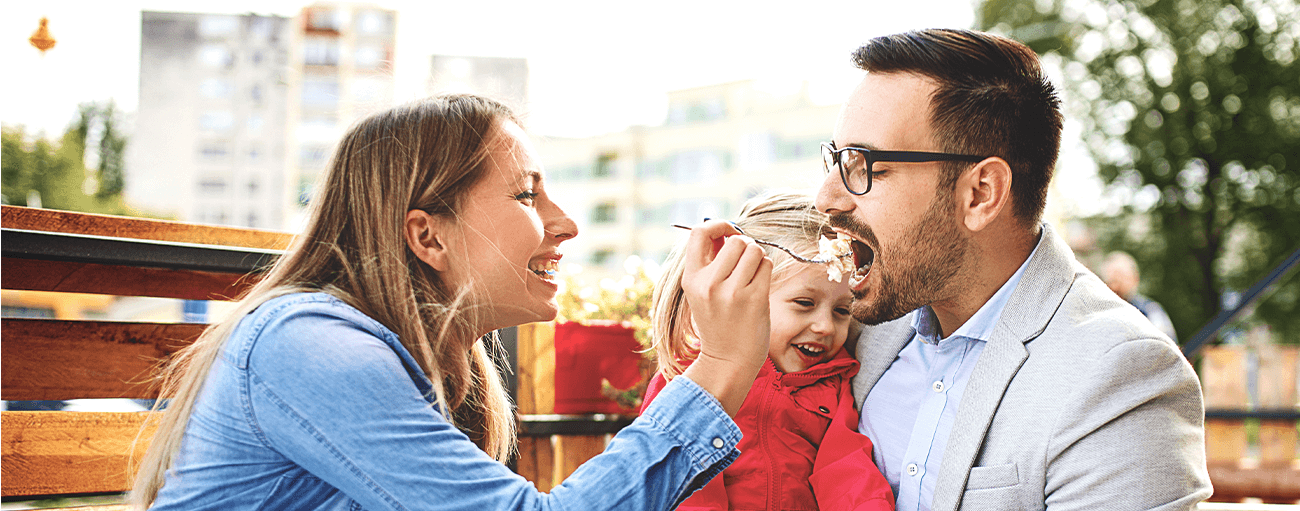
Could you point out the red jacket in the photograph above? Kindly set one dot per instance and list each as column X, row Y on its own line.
column 801, row 449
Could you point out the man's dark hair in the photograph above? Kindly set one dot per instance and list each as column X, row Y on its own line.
column 992, row 99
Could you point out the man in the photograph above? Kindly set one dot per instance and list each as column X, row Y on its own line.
column 999, row 373
column 1120, row 272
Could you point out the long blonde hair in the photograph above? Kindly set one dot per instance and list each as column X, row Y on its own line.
column 784, row 217
column 424, row 155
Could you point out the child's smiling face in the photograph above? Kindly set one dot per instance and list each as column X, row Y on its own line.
column 810, row 318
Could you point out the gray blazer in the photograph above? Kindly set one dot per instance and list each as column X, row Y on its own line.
column 1077, row 402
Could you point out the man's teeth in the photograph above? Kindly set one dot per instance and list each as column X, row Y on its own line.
column 546, row 268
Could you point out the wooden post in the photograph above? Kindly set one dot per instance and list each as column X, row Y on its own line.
column 536, row 395
column 1277, row 390
column 571, row 451
column 1223, row 374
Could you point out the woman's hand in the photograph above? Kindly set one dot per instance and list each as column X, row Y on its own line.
column 726, row 280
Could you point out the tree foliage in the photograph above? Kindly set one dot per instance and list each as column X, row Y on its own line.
column 1191, row 109
column 56, row 172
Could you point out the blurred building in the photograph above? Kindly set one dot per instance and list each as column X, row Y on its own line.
column 501, row 78
column 209, row 133
column 341, row 62
column 239, row 114
column 719, row 146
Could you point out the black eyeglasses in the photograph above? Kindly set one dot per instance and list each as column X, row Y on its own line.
column 854, row 163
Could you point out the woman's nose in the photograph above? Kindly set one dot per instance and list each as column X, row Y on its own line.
column 558, row 224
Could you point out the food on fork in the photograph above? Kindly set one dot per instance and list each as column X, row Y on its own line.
column 840, row 254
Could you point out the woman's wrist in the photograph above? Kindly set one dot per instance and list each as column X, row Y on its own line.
column 728, row 381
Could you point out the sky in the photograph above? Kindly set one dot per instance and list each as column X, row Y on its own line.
column 596, row 66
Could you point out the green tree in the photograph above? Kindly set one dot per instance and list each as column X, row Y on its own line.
column 1191, row 109
column 56, row 170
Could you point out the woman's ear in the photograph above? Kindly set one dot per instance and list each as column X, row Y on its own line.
column 427, row 237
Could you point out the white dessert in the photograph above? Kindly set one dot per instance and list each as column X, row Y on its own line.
column 840, row 254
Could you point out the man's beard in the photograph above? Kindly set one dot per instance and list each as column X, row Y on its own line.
column 916, row 271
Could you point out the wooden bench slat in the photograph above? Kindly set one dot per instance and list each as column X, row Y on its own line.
column 61, row 453
column 49, row 220
column 60, row 360
column 73, row 277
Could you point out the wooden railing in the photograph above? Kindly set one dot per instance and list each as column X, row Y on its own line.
column 1251, row 448
column 60, row 453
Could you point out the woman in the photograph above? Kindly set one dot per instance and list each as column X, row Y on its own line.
column 355, row 374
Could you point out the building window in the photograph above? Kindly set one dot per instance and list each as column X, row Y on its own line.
column 255, row 123
column 604, row 213
column 313, row 156
column 323, row 20
column 373, row 22
column 212, row 185
column 602, row 257
column 320, row 51
column 369, row 57
column 322, row 92
column 214, row 151
column 604, row 165
column 217, row 122
column 700, row 166
column 216, row 88
column 370, row 89
column 215, row 55
column 218, row 26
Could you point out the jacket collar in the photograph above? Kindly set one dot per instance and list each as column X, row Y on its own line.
column 1035, row 301
column 841, row 364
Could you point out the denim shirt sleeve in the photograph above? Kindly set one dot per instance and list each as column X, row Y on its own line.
column 326, row 391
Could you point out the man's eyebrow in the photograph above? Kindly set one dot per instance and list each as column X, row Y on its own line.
column 869, row 147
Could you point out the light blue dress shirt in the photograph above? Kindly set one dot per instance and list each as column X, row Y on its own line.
column 910, row 411
column 313, row 405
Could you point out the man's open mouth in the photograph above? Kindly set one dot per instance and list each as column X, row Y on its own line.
column 863, row 258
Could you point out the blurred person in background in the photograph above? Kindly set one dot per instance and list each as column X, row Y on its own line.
column 1120, row 271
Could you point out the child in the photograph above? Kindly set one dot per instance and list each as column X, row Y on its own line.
column 801, row 449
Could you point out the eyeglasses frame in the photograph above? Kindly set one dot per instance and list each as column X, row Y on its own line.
column 872, row 156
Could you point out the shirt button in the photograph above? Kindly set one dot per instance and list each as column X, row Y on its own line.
column 717, row 443
column 938, row 386
column 823, row 409
column 912, row 469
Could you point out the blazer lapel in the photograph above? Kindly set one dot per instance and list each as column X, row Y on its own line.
column 877, row 348
column 1035, row 300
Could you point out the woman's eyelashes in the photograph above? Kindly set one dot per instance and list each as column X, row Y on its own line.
column 527, row 196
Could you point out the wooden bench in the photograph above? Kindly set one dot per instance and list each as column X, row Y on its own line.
column 50, row 454
column 59, row 453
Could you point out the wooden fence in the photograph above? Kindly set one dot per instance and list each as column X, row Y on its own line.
column 1252, row 457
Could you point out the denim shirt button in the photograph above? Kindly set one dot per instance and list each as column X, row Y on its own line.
column 717, row 443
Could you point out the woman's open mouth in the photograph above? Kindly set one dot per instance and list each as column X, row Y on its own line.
column 546, row 269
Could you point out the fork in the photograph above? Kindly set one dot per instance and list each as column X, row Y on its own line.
column 796, row 257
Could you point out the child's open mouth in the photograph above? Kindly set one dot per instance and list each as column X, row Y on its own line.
column 810, row 350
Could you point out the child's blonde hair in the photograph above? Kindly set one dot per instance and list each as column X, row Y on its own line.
column 784, row 217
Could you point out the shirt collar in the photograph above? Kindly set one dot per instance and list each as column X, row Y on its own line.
column 980, row 326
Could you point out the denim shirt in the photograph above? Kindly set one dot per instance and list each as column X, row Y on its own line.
column 314, row 405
